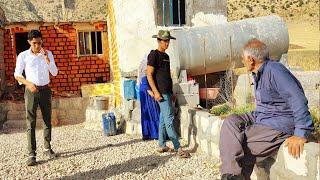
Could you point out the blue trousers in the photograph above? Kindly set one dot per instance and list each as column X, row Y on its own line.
column 166, row 122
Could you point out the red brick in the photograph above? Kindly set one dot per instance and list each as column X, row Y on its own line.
column 86, row 75
column 43, row 28
column 63, row 69
column 59, row 48
column 99, row 62
column 75, row 67
column 79, row 75
column 63, row 80
column 71, row 47
column 74, row 71
column 51, row 48
column 93, row 70
column 54, row 44
column 82, row 70
column 75, row 79
column 56, row 52
column 59, row 40
column 53, row 35
column 46, row 44
column 52, row 31
column 63, row 60
column 50, row 39
column 61, row 88
column 94, row 66
column 83, row 79
column 68, row 52
column 62, row 43
column 50, row 28
column 61, row 35
column 73, row 43
column 45, row 35
column 65, row 85
column 76, row 84
column 72, row 31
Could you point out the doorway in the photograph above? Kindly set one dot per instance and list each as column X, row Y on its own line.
column 21, row 42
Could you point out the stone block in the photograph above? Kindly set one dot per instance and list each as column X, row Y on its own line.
column 93, row 119
column 192, row 100
column 16, row 115
column 205, row 124
column 186, row 88
column 204, row 146
column 215, row 150
column 133, row 128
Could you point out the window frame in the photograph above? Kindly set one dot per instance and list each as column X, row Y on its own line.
column 83, row 31
column 164, row 9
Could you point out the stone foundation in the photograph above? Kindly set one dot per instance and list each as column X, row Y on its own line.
column 202, row 132
column 65, row 111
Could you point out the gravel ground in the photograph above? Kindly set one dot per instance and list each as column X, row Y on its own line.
column 85, row 154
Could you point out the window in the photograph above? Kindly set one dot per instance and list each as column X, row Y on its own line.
column 170, row 12
column 90, row 43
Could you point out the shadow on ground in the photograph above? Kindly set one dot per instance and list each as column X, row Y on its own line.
column 89, row 150
column 139, row 165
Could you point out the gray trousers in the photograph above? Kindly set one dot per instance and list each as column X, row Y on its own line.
column 32, row 101
column 244, row 143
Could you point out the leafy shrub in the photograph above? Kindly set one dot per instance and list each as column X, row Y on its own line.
column 225, row 109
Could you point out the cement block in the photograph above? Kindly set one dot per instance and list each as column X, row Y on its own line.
column 186, row 88
column 133, row 128
column 192, row 100
column 94, row 119
column 215, row 150
column 204, row 146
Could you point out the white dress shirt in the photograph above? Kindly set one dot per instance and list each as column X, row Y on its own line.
column 36, row 67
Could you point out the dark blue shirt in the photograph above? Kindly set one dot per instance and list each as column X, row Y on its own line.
column 280, row 100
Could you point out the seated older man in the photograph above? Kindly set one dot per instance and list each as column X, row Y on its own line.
column 281, row 115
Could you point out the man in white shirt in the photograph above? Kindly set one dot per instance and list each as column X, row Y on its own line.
column 37, row 63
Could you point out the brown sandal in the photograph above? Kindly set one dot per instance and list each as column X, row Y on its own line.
column 165, row 149
column 183, row 154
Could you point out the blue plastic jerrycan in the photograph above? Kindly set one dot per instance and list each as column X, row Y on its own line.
column 109, row 124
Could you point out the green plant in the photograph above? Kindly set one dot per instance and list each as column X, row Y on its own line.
column 225, row 109
column 315, row 115
column 219, row 110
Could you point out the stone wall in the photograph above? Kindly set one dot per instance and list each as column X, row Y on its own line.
column 202, row 131
column 244, row 92
column 65, row 111
column 74, row 70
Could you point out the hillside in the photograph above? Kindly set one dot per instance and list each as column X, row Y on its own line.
column 290, row 10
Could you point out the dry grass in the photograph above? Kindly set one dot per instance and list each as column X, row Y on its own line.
column 307, row 60
column 291, row 10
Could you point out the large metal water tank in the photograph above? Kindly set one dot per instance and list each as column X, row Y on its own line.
column 210, row 46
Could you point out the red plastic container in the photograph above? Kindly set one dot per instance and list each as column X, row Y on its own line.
column 212, row 93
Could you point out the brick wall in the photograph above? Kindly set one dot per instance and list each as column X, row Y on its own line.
column 73, row 71
column 2, row 67
column 9, row 55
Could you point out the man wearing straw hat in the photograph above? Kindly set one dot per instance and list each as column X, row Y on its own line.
column 159, row 78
